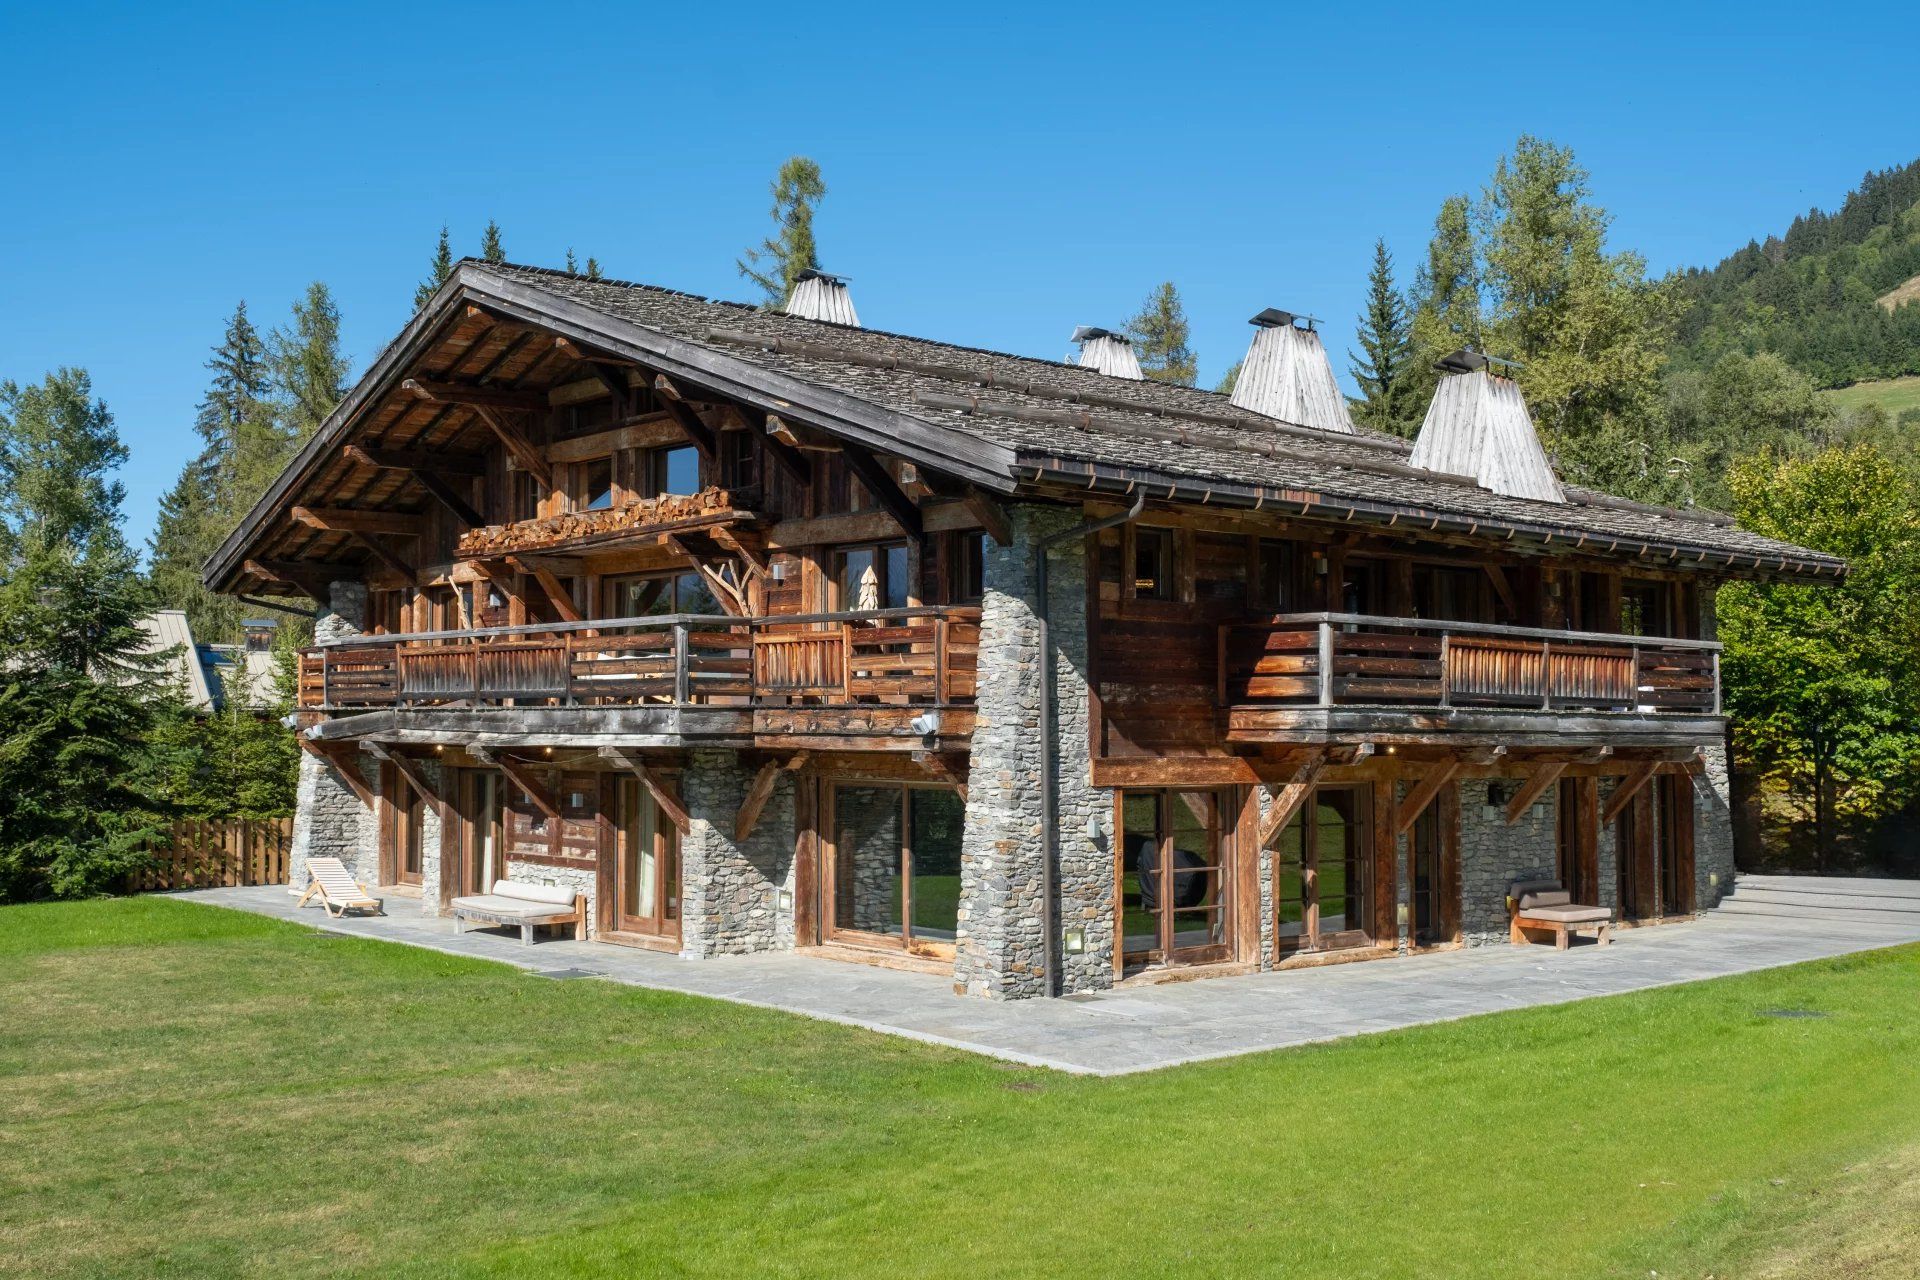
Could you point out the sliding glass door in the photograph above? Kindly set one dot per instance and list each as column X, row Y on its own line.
column 1323, row 883
column 894, row 866
column 647, row 868
column 1172, row 877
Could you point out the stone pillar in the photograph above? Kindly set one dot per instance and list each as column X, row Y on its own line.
column 729, row 890
column 430, row 834
column 1493, row 855
column 1002, row 870
column 329, row 819
column 1712, row 828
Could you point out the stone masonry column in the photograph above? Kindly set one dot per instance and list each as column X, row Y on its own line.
column 730, row 890
column 329, row 819
column 1712, row 828
column 1002, row 869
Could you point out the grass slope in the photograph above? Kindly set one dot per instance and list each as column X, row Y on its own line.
column 1892, row 394
column 186, row 1091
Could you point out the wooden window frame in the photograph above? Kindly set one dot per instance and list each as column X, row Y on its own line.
column 829, row 841
column 1367, row 817
column 1227, row 812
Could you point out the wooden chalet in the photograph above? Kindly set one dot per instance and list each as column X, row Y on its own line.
column 769, row 631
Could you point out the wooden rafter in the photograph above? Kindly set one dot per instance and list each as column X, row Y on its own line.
column 311, row 580
column 1542, row 777
column 885, row 490
column 662, row 794
column 1290, row 795
column 1423, row 795
column 447, row 496
column 777, row 440
column 754, row 557
column 760, row 791
column 452, row 464
column 349, row 520
column 948, row 767
column 518, row 445
column 474, row 397
column 991, row 515
column 1504, row 589
column 517, row 773
column 555, row 590
column 409, row 770
column 1627, row 789
column 675, row 403
column 386, row 555
column 341, row 757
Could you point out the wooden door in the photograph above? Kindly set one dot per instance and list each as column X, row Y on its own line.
column 1635, row 851
column 483, row 856
column 1433, row 853
column 1324, row 892
column 405, row 814
column 646, row 866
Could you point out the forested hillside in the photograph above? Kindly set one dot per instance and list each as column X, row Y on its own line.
column 1833, row 296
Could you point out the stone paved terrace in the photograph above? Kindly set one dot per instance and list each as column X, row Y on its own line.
column 1142, row 1028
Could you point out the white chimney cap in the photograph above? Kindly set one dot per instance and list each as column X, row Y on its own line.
column 1286, row 375
column 1478, row 427
column 819, row 296
column 1108, row 352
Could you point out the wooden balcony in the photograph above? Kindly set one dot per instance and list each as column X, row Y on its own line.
column 1333, row 675
column 799, row 680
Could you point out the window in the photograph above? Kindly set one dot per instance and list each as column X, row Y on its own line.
column 867, row 578
column 1322, row 871
column 969, row 568
column 896, row 865
column 736, row 459
column 1449, row 593
column 525, row 496
column 673, row 470
column 1152, row 563
column 1173, row 877
column 1360, row 586
column 655, row 595
column 593, row 485
column 1274, row 575
column 1646, row 608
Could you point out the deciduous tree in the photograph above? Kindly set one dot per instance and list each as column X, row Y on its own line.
column 1160, row 337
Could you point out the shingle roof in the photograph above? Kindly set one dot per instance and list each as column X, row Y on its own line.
column 1132, row 425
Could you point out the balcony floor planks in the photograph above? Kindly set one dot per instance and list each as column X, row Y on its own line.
column 1465, row 726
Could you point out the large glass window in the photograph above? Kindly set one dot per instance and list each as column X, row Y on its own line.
column 1322, row 882
column 592, row 484
column 673, row 470
column 649, row 869
column 896, row 865
column 653, row 595
column 1173, row 881
column 871, row 578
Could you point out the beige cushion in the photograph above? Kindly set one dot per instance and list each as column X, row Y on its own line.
column 494, row 904
column 558, row 894
column 1546, row 898
column 1568, row 914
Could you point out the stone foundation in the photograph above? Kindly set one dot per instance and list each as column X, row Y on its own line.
column 729, row 890
column 1493, row 855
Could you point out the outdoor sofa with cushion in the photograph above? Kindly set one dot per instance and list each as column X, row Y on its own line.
column 518, row 904
column 1542, row 906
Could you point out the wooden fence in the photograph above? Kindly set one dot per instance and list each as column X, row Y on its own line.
column 203, row 854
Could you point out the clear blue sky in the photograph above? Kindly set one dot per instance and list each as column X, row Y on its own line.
column 996, row 176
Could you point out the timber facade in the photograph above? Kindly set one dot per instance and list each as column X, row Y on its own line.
column 767, row 632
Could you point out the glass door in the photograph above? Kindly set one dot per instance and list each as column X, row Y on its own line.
column 1323, row 890
column 647, row 892
column 895, row 867
column 406, row 811
column 484, row 864
column 1172, row 877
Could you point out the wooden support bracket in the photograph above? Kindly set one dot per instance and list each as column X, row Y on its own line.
column 1627, row 789
column 449, row 498
column 885, row 490
column 349, row 520
column 530, row 459
column 552, row 586
column 517, row 774
column 385, row 555
column 1289, row 797
column 474, row 397
column 1423, row 795
column 949, row 767
column 760, row 792
column 338, row 756
column 686, row 419
column 661, row 793
column 1542, row 777
column 991, row 515
column 452, row 464
column 408, row 769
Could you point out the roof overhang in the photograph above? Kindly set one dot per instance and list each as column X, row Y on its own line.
column 963, row 455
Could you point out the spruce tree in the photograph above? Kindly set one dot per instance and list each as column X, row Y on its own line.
column 776, row 264
column 76, row 694
column 309, row 373
column 573, row 265
column 1386, row 341
column 437, row 271
column 490, row 249
column 593, row 269
column 1160, row 334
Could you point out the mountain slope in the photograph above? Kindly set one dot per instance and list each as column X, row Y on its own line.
column 1832, row 296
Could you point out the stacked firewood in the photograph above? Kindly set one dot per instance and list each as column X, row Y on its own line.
column 529, row 535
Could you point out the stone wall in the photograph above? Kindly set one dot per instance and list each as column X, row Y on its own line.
column 729, row 891
column 1002, row 923
column 330, row 821
column 1712, row 829
column 579, row 879
column 430, row 834
column 1493, row 855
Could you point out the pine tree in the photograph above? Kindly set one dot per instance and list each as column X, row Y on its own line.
column 1160, row 334
column 778, row 261
column 593, row 269
column 1386, row 338
column 76, row 696
column 490, row 249
column 309, row 373
column 573, row 266
column 437, row 273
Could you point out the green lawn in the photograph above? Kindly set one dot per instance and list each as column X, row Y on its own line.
column 1892, row 394
column 186, row 1091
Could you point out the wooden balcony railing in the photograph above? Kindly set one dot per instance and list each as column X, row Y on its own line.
column 881, row 657
column 1342, row 659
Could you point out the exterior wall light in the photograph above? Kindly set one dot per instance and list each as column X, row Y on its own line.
column 1074, row 941
column 783, row 900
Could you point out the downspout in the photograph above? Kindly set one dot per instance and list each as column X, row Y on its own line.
column 1049, row 763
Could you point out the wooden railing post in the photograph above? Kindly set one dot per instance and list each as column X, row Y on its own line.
column 1546, row 675
column 1717, row 710
column 1446, row 668
column 682, row 682
column 1326, row 663
column 326, row 694
column 939, row 659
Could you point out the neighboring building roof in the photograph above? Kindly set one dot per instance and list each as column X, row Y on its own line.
column 201, row 671
column 1004, row 421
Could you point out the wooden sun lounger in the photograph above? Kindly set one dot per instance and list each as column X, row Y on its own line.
column 339, row 891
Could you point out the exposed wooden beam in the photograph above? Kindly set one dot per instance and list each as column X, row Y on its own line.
column 760, row 792
column 348, row 520
column 991, row 515
column 661, row 793
column 883, row 487
column 1504, row 589
column 949, row 767
column 518, row 445
column 1627, row 789
column 409, row 769
column 675, row 403
column 308, row 580
column 555, row 590
column 754, row 557
column 777, row 441
column 449, row 498
column 517, row 773
column 1422, row 795
column 1290, row 795
column 474, row 397
column 452, row 464
column 341, row 757
column 1535, row 786
column 386, row 556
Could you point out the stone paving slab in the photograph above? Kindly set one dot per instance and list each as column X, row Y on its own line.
column 1147, row 1028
